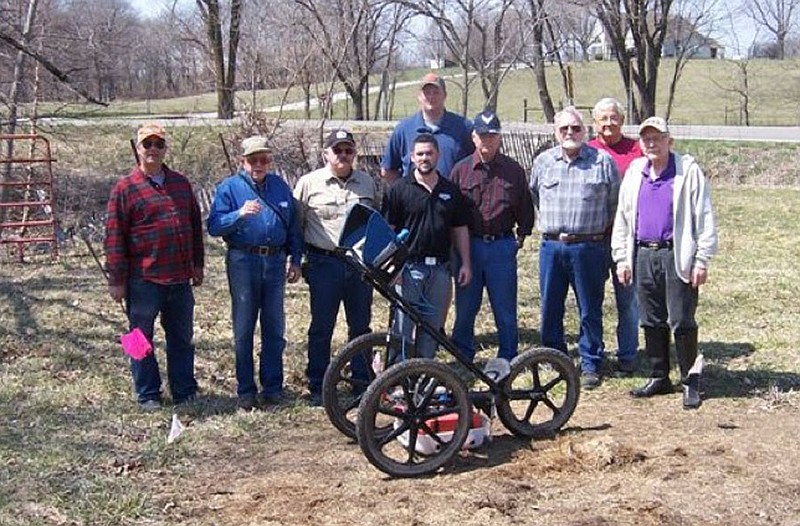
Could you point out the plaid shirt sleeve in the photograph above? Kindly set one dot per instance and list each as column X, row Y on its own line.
column 116, row 243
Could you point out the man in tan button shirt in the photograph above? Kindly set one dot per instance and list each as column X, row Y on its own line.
column 324, row 198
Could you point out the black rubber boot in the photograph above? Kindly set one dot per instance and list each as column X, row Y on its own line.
column 686, row 351
column 656, row 347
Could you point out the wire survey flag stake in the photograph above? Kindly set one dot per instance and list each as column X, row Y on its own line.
column 134, row 343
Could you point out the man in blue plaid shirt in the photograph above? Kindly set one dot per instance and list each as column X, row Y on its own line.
column 575, row 189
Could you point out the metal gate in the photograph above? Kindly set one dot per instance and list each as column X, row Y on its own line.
column 27, row 200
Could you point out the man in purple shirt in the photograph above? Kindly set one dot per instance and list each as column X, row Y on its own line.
column 608, row 118
column 496, row 190
column 664, row 229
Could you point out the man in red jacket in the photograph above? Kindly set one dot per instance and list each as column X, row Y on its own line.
column 154, row 254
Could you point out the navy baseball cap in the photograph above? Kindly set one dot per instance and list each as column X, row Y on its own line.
column 486, row 122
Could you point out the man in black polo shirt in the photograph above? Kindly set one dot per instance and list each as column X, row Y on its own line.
column 433, row 211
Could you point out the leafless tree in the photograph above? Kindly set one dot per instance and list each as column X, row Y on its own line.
column 355, row 37
column 645, row 22
column 224, row 70
column 536, row 15
column 576, row 28
column 687, row 37
column 65, row 76
column 778, row 17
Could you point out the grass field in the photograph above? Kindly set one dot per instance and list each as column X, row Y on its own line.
column 704, row 94
column 75, row 449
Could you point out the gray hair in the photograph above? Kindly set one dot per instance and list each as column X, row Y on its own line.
column 569, row 110
column 604, row 104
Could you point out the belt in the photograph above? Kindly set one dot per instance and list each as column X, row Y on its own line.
column 563, row 237
column 655, row 244
column 261, row 250
column 311, row 249
column 429, row 260
column 489, row 237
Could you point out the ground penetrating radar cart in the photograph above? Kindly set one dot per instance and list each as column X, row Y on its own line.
column 412, row 415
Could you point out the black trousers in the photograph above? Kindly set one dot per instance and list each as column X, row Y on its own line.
column 664, row 300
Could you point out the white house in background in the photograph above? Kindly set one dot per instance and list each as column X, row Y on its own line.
column 680, row 34
column 683, row 38
column 601, row 48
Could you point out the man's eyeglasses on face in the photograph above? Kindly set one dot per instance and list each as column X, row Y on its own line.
column 344, row 151
column 574, row 129
column 612, row 119
column 652, row 139
column 157, row 143
column 261, row 159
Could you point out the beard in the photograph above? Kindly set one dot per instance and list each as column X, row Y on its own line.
column 426, row 168
column 571, row 144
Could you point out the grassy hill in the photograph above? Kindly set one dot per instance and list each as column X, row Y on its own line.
column 704, row 94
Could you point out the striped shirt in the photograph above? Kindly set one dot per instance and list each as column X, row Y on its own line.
column 575, row 197
column 153, row 231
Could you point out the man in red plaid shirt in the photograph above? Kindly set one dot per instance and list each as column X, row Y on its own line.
column 154, row 254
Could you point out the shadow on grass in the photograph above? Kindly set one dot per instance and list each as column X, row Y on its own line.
column 721, row 382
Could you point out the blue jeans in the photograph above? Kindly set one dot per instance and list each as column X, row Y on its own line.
column 175, row 304
column 581, row 266
column 627, row 318
column 257, row 286
column 494, row 266
column 428, row 288
column 332, row 282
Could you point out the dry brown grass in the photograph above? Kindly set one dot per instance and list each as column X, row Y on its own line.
column 75, row 450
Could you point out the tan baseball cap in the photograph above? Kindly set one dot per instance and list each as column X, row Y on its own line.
column 434, row 80
column 255, row 144
column 150, row 129
column 657, row 123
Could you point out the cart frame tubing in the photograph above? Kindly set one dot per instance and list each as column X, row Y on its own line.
column 387, row 291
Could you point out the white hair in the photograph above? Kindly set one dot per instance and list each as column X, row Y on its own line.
column 606, row 103
column 569, row 110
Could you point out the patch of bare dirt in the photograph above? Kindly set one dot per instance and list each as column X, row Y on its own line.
column 619, row 461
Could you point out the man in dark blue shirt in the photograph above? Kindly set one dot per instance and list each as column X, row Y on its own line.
column 254, row 212
column 453, row 133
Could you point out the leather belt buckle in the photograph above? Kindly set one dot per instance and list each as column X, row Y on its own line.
column 430, row 261
column 265, row 250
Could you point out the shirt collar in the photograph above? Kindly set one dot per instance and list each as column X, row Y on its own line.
column 668, row 173
column 583, row 153
column 478, row 163
column 332, row 176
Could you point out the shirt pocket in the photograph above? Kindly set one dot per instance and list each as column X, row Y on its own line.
column 592, row 190
column 327, row 209
column 472, row 191
column 548, row 190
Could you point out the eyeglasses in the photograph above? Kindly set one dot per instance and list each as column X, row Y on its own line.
column 261, row 159
column 574, row 129
column 613, row 119
column 157, row 143
column 343, row 151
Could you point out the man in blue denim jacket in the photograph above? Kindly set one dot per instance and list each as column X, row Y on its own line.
column 255, row 214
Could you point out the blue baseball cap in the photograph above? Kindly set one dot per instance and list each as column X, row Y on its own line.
column 486, row 122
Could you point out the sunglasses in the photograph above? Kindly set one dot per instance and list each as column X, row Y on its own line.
column 157, row 143
column 343, row 151
column 574, row 128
